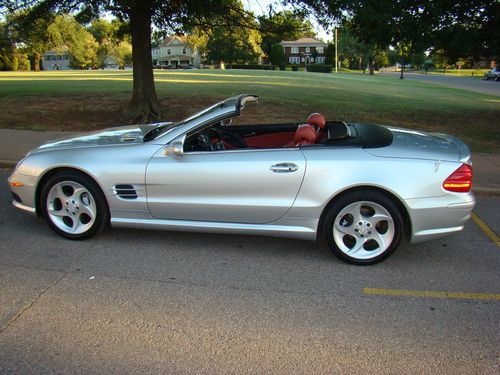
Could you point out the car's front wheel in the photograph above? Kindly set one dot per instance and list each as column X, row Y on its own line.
column 363, row 227
column 74, row 206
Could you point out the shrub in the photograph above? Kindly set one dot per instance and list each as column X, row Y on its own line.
column 282, row 67
column 295, row 68
column 253, row 66
column 319, row 68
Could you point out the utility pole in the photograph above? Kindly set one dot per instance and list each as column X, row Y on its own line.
column 336, row 52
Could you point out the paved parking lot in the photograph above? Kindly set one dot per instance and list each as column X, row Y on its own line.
column 164, row 302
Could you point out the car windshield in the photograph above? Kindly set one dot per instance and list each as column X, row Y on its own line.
column 164, row 128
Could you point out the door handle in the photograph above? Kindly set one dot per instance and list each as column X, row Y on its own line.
column 284, row 167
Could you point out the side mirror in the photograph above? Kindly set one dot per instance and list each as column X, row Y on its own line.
column 175, row 148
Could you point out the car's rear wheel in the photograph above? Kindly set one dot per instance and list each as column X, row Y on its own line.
column 497, row 78
column 74, row 206
column 363, row 227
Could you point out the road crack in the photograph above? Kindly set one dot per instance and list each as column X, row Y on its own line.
column 32, row 303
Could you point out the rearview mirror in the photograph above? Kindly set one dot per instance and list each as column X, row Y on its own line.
column 175, row 148
column 226, row 122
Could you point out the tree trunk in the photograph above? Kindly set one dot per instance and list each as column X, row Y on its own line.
column 144, row 106
column 371, row 67
column 37, row 58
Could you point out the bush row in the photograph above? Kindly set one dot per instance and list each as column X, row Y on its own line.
column 318, row 68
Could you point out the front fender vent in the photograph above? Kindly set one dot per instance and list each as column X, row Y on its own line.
column 125, row 192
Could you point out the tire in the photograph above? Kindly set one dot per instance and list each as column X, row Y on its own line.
column 74, row 206
column 486, row 78
column 497, row 78
column 363, row 227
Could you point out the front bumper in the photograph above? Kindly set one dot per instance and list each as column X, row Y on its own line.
column 23, row 190
column 437, row 217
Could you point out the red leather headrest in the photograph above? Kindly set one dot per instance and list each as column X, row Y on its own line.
column 317, row 119
column 306, row 133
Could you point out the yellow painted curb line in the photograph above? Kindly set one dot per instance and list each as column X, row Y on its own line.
column 431, row 294
column 486, row 229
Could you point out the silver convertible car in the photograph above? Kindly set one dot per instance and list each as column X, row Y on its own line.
column 361, row 187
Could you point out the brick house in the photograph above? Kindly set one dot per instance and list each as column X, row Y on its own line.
column 304, row 51
column 174, row 52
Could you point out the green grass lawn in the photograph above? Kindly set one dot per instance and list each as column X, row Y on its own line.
column 93, row 99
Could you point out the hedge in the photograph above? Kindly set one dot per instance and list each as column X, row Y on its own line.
column 319, row 68
column 251, row 66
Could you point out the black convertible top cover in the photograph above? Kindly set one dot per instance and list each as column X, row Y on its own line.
column 362, row 135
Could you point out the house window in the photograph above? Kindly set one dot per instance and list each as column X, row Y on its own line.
column 294, row 60
column 184, row 51
column 308, row 50
column 319, row 49
column 168, row 51
column 320, row 60
column 295, row 49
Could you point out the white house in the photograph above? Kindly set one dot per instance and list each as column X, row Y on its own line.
column 54, row 60
column 174, row 52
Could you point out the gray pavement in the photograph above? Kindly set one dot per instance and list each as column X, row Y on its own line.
column 14, row 144
column 147, row 302
column 460, row 82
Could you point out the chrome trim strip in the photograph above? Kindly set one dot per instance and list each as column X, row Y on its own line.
column 24, row 208
column 298, row 232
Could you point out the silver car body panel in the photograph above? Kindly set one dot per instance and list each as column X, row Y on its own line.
column 237, row 191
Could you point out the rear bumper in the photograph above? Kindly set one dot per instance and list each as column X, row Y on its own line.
column 437, row 217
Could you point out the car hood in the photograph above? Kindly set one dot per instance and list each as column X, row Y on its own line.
column 132, row 134
column 423, row 145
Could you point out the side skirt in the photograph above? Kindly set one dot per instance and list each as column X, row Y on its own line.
column 298, row 232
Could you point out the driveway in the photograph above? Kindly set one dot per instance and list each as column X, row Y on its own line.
column 146, row 302
column 467, row 83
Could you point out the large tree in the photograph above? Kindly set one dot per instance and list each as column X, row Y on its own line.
column 233, row 45
column 65, row 34
column 409, row 25
column 140, row 15
column 285, row 25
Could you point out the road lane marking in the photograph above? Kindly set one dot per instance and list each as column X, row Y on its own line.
column 431, row 294
column 486, row 229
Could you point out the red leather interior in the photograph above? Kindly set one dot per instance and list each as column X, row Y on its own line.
column 317, row 119
column 271, row 140
column 305, row 134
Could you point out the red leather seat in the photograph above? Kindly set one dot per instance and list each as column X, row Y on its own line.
column 304, row 135
column 317, row 119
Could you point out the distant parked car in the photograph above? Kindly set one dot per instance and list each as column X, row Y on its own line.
column 493, row 73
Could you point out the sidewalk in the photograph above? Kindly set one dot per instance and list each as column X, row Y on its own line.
column 14, row 144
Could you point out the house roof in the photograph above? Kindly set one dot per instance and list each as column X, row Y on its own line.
column 62, row 51
column 181, row 40
column 303, row 42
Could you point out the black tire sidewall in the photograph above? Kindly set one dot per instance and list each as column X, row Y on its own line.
column 356, row 196
column 102, row 210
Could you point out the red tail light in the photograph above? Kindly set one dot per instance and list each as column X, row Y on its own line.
column 459, row 181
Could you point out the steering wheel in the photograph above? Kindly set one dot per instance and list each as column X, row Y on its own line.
column 234, row 139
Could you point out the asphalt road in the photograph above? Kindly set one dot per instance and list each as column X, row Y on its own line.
column 467, row 83
column 179, row 303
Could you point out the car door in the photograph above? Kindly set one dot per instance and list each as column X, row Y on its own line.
column 239, row 186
